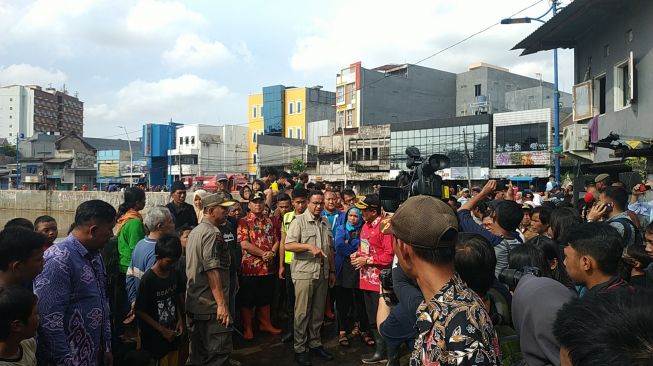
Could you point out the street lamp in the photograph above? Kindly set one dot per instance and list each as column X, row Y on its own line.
column 556, row 93
column 131, row 157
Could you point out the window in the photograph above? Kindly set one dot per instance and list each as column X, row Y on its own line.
column 350, row 118
column 340, row 94
column 299, row 107
column 192, row 140
column 529, row 137
column 11, row 108
column 290, row 107
column 290, row 133
column 181, row 141
column 254, row 137
column 254, row 158
column 11, row 99
column 186, row 140
column 477, row 90
column 340, row 119
column 254, row 112
column 606, row 50
column 629, row 35
column 622, row 80
column 375, row 153
column 299, row 132
column 599, row 94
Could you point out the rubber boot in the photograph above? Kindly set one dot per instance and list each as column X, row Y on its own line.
column 264, row 323
column 248, row 316
column 380, row 354
column 393, row 356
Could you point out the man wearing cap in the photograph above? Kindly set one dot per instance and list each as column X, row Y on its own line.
column 207, row 295
column 259, row 242
column 464, row 196
column 453, row 326
column 182, row 212
column 374, row 254
column 222, row 184
column 309, row 236
column 602, row 181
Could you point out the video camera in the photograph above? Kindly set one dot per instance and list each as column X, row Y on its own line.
column 420, row 180
column 510, row 277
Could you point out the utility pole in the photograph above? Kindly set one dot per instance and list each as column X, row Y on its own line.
column 469, row 172
column 131, row 158
column 344, row 156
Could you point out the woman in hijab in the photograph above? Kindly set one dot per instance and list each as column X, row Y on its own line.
column 197, row 203
column 347, row 291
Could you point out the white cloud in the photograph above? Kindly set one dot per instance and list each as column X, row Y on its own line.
column 152, row 16
column 25, row 74
column 190, row 51
column 186, row 98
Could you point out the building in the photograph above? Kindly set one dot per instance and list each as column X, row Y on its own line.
column 202, row 150
column 285, row 112
column 158, row 139
column 457, row 137
column 119, row 162
column 486, row 88
column 521, row 143
column 392, row 93
column 613, row 64
column 26, row 110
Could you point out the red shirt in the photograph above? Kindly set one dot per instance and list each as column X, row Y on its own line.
column 377, row 246
column 261, row 233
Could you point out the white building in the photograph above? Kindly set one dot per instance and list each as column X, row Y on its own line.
column 26, row 110
column 203, row 150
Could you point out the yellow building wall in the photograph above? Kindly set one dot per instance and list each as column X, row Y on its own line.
column 255, row 124
column 295, row 120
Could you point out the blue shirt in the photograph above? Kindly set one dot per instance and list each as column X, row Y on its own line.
column 143, row 258
column 643, row 209
column 75, row 326
column 335, row 218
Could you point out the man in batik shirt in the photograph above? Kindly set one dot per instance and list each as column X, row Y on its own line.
column 453, row 325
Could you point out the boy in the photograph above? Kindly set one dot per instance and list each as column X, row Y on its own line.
column 21, row 256
column 46, row 226
column 158, row 304
column 19, row 319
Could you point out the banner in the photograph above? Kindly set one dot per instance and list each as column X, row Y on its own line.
column 522, row 158
column 108, row 169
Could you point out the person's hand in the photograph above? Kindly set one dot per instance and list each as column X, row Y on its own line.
column 267, row 256
column 108, row 359
column 354, row 255
column 317, row 252
column 359, row 262
column 332, row 279
column 510, row 194
column 180, row 328
column 167, row 334
column 282, row 273
column 489, row 187
column 597, row 211
column 223, row 314
column 636, row 191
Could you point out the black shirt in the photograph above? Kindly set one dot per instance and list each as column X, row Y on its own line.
column 182, row 215
column 158, row 298
column 229, row 234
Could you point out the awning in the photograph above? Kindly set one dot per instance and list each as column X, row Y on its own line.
column 57, row 160
column 520, row 179
column 571, row 24
column 626, row 146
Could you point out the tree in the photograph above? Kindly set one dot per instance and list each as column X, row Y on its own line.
column 8, row 150
column 298, row 166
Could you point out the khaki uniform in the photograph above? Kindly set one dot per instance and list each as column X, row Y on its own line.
column 210, row 342
column 310, row 276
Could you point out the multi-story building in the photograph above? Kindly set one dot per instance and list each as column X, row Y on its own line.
column 157, row 140
column 613, row 64
column 285, row 112
column 119, row 162
column 26, row 110
column 392, row 93
column 203, row 150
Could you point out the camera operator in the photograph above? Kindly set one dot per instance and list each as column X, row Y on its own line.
column 506, row 218
column 453, row 325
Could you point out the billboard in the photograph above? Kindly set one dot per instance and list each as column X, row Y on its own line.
column 525, row 158
column 108, row 169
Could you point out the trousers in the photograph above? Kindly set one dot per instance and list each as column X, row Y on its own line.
column 310, row 298
column 210, row 342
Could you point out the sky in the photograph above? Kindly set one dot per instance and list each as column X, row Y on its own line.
column 148, row 61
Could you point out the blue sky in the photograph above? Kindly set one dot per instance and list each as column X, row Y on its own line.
column 135, row 62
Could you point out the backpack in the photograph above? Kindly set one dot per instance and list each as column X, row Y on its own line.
column 629, row 230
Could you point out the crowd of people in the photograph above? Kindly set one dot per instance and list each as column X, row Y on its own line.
column 492, row 276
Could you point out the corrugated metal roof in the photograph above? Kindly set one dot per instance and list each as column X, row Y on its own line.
column 571, row 24
column 112, row 144
column 57, row 160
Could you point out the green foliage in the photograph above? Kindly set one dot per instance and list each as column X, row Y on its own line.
column 8, row 150
column 298, row 166
column 638, row 165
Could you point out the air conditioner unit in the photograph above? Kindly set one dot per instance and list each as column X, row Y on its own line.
column 575, row 138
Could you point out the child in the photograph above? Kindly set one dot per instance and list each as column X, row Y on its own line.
column 47, row 226
column 158, row 304
column 19, row 319
column 21, row 256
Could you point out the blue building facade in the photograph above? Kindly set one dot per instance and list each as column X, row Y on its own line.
column 157, row 140
column 273, row 104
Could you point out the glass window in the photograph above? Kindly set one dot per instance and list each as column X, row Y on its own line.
column 254, row 158
column 299, row 130
column 290, row 107
column 340, row 94
column 299, row 106
column 290, row 132
column 254, row 137
column 186, row 140
column 192, row 140
column 254, row 112
column 181, row 141
column 531, row 137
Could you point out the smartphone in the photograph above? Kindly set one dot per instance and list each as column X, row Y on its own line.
column 608, row 207
column 643, row 187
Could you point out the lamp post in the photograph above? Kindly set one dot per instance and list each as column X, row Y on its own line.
column 556, row 93
column 131, row 156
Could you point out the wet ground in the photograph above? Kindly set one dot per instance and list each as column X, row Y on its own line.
column 268, row 350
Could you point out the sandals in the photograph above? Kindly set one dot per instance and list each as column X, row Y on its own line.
column 356, row 330
column 367, row 338
column 343, row 340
